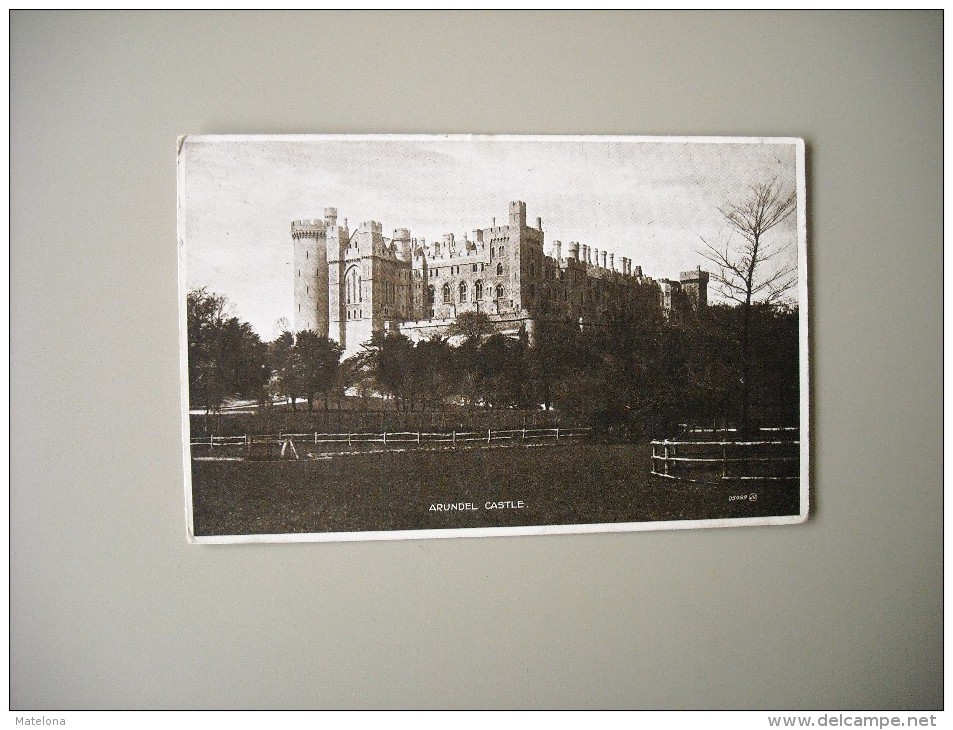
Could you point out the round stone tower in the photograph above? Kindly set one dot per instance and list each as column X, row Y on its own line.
column 310, row 276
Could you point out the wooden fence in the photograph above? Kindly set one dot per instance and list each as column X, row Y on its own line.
column 232, row 446
column 707, row 455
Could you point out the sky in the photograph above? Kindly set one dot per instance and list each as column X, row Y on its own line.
column 649, row 200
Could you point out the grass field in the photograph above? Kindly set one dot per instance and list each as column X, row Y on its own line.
column 559, row 484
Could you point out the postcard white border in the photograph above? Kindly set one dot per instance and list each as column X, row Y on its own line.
column 585, row 528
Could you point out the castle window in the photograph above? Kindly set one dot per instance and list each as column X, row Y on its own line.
column 446, row 294
column 353, row 286
column 500, row 291
column 463, row 291
column 474, row 268
column 306, row 254
column 499, row 269
column 431, row 295
column 478, row 291
column 501, row 250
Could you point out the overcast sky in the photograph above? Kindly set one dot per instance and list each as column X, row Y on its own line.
column 648, row 200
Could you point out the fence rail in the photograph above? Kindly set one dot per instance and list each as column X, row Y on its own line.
column 327, row 441
column 773, row 457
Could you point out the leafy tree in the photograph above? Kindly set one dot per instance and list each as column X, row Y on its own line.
column 282, row 356
column 226, row 357
column 316, row 362
column 472, row 326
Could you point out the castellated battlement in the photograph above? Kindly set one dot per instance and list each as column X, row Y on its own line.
column 307, row 228
column 692, row 276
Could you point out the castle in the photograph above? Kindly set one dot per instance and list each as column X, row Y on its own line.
column 349, row 285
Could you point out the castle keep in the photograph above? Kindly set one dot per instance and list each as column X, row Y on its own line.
column 349, row 285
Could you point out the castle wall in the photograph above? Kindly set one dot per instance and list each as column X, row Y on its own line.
column 401, row 283
column 311, row 277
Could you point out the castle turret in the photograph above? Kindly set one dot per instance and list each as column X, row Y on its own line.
column 402, row 243
column 558, row 249
column 604, row 256
column 331, row 217
column 518, row 213
column 311, row 276
column 574, row 250
column 612, row 261
column 695, row 285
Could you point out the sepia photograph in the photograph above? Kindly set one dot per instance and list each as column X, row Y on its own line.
column 387, row 337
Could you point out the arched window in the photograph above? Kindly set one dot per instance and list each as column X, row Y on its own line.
column 353, row 285
column 478, row 291
column 501, row 252
column 446, row 294
column 500, row 292
column 463, row 291
column 431, row 295
column 499, row 269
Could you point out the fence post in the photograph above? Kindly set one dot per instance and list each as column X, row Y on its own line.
column 315, row 437
column 418, row 438
column 557, row 433
column 665, row 461
column 385, row 438
column 724, row 461
column 488, row 436
column 454, row 437
column 348, row 438
column 524, row 434
column 211, row 441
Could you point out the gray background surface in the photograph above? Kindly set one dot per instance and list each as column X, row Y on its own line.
column 110, row 608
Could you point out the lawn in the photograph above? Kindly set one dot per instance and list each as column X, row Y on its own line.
column 558, row 484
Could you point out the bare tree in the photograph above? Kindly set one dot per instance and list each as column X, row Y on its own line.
column 753, row 270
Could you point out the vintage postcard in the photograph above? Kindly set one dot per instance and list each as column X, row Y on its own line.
column 389, row 337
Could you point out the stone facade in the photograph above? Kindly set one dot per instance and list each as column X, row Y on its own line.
column 349, row 285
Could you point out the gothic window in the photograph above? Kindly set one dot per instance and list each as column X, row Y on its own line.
column 446, row 294
column 478, row 291
column 499, row 269
column 463, row 291
column 474, row 268
column 501, row 251
column 500, row 292
column 306, row 255
column 353, row 285
column 431, row 295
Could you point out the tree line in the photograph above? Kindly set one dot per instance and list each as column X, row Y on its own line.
column 634, row 373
